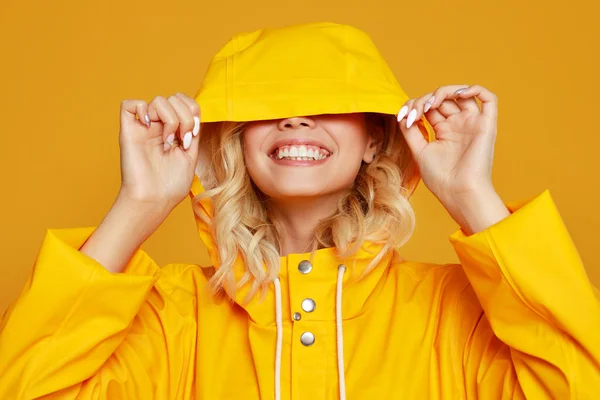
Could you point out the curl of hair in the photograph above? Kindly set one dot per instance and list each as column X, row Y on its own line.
column 376, row 208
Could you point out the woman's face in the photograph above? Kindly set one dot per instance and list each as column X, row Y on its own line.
column 306, row 156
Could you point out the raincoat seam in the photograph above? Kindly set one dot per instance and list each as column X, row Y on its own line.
column 229, row 83
column 347, row 58
column 42, row 352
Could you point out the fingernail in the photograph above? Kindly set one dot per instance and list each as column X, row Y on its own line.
column 402, row 113
column 166, row 146
column 459, row 91
column 171, row 138
column 147, row 119
column 196, row 126
column 187, row 140
column 411, row 118
column 429, row 103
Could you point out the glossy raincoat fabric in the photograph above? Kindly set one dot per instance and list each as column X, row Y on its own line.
column 516, row 318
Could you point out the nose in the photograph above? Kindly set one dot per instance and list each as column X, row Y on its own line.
column 296, row 123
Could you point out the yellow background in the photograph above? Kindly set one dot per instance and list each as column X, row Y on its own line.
column 66, row 66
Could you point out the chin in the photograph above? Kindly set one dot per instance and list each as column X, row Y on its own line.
column 292, row 190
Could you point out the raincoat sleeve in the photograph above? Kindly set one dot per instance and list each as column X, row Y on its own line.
column 529, row 322
column 80, row 331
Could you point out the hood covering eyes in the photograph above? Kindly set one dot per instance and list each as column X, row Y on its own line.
column 309, row 69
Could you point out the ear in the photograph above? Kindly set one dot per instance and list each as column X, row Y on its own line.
column 370, row 149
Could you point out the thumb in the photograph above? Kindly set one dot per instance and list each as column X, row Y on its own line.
column 194, row 149
column 414, row 137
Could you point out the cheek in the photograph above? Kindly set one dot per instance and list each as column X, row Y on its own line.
column 254, row 166
column 252, row 139
column 352, row 139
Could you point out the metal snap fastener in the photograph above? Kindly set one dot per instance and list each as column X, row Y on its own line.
column 307, row 338
column 297, row 316
column 309, row 305
column 305, row 267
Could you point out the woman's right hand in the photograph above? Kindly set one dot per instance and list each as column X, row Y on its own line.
column 154, row 173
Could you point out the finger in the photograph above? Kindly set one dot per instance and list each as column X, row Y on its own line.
column 434, row 117
column 168, row 146
column 405, row 109
column 413, row 136
column 194, row 109
column 142, row 113
column 130, row 109
column 417, row 109
column 448, row 108
column 161, row 110
column 469, row 104
column 186, row 120
column 194, row 149
column 444, row 92
column 489, row 101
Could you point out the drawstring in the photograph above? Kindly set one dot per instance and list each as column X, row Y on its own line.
column 339, row 333
column 279, row 324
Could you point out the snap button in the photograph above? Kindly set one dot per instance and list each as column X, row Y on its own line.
column 297, row 316
column 309, row 305
column 304, row 267
column 307, row 338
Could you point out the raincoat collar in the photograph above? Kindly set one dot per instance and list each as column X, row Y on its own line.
column 319, row 284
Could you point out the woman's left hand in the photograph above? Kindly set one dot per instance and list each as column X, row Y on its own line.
column 457, row 165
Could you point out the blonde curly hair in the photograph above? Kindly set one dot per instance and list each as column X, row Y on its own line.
column 376, row 208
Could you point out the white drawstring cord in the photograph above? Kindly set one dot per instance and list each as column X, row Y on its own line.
column 279, row 325
column 340, row 331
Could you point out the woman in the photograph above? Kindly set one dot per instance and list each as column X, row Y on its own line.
column 300, row 188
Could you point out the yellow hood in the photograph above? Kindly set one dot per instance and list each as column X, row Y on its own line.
column 309, row 69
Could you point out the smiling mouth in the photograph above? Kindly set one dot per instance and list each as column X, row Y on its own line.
column 300, row 153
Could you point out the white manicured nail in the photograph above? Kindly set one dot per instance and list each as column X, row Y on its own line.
column 411, row 118
column 429, row 103
column 402, row 113
column 170, row 138
column 187, row 140
column 196, row 126
column 166, row 146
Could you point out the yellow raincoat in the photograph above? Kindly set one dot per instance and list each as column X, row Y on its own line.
column 517, row 318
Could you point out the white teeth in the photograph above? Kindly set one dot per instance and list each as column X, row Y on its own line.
column 299, row 153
